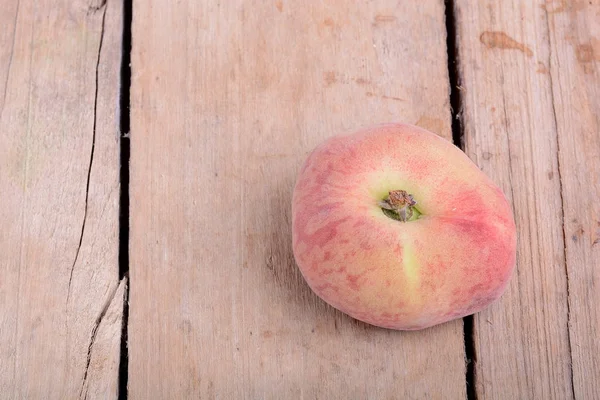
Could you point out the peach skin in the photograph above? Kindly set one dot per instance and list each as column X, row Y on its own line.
column 395, row 226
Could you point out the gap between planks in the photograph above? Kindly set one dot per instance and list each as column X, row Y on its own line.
column 125, row 151
column 458, row 139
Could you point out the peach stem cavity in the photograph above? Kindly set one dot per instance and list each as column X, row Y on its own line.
column 400, row 206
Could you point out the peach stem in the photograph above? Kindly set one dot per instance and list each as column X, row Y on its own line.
column 399, row 205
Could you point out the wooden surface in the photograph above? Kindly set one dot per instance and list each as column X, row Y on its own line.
column 60, row 300
column 575, row 77
column 227, row 100
column 531, row 90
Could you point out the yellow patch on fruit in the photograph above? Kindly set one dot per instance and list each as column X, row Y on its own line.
column 411, row 270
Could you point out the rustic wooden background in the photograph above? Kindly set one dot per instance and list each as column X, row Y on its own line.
column 171, row 275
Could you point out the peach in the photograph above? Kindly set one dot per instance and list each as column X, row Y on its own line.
column 395, row 226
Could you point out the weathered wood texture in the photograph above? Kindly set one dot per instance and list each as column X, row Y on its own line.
column 228, row 98
column 60, row 299
column 531, row 91
column 575, row 77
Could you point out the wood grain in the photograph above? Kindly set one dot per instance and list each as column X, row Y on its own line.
column 60, row 299
column 228, row 98
column 530, row 116
column 575, row 78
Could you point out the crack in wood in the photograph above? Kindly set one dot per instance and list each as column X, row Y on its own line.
column 112, row 294
column 562, row 201
column 93, row 7
column 105, row 307
column 89, row 173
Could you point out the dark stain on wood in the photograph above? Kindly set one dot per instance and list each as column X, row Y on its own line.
column 578, row 234
column 500, row 40
column 384, row 19
column 597, row 238
column 588, row 52
column 267, row 334
column 329, row 77
column 371, row 94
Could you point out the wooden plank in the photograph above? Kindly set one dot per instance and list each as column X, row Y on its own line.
column 574, row 67
column 510, row 132
column 60, row 310
column 522, row 90
column 228, row 98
